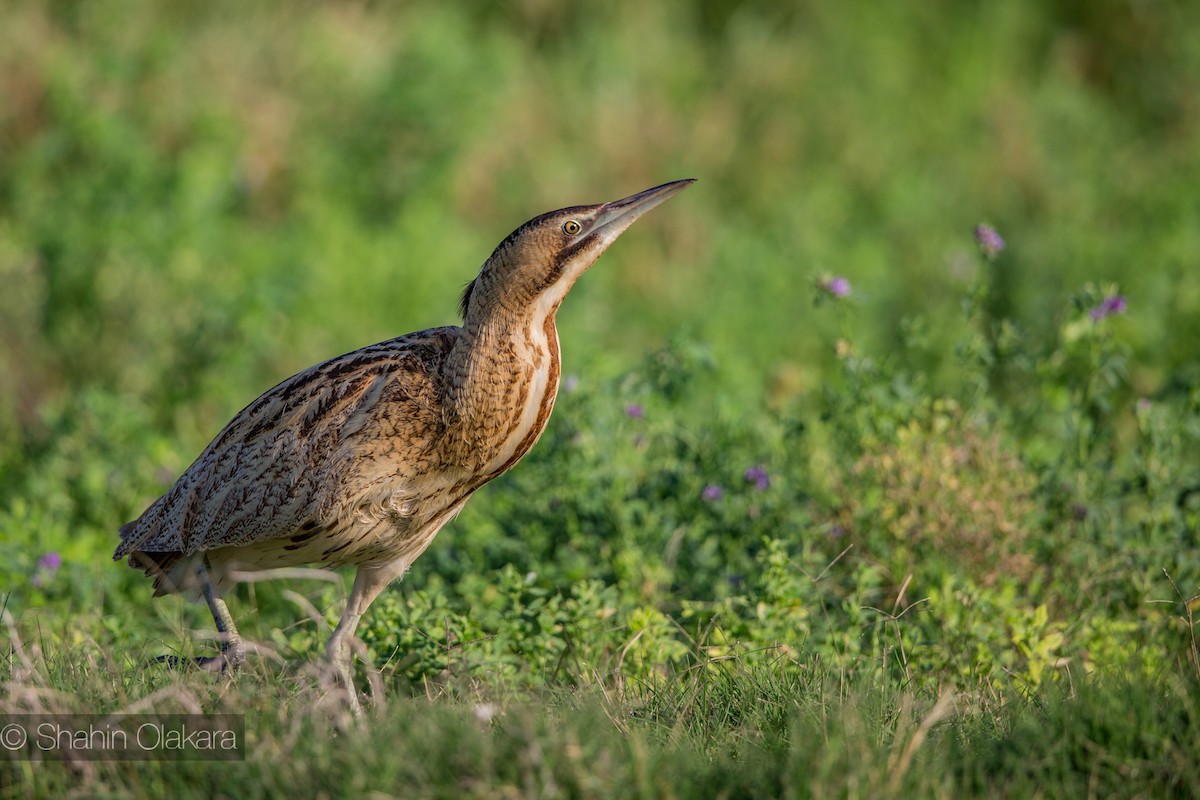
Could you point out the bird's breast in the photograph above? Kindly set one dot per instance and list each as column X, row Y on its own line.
column 500, row 386
column 529, row 396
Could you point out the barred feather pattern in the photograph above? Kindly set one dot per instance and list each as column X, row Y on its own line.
column 358, row 460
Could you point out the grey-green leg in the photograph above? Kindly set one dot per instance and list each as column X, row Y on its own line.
column 368, row 583
column 232, row 652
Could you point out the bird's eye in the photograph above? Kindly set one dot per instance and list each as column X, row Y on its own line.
column 571, row 227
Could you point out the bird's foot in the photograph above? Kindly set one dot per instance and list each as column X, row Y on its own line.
column 356, row 707
column 228, row 661
column 344, row 680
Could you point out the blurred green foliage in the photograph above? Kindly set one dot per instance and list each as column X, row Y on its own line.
column 959, row 474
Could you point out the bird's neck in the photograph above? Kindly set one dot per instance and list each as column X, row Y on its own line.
column 502, row 378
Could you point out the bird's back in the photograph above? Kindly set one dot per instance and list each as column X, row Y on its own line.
column 340, row 440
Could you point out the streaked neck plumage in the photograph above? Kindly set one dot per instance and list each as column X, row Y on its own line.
column 503, row 375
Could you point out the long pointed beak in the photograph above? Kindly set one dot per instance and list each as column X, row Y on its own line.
column 618, row 215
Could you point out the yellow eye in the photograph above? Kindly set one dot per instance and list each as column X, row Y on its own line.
column 571, row 227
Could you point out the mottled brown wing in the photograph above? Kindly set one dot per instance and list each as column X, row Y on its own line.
column 305, row 449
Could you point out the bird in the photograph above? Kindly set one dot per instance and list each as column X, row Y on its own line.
column 362, row 459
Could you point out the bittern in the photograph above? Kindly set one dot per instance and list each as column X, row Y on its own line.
column 362, row 459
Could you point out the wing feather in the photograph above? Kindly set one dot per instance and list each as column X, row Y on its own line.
column 307, row 450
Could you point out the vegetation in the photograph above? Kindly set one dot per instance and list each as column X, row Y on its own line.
column 876, row 469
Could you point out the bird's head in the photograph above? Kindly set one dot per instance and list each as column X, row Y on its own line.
column 537, row 263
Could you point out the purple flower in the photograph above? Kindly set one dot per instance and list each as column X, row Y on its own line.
column 989, row 241
column 837, row 286
column 635, row 411
column 758, row 476
column 50, row 562
column 47, row 565
column 1113, row 304
column 712, row 493
column 570, row 384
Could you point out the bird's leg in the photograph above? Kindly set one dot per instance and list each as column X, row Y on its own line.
column 232, row 653
column 368, row 583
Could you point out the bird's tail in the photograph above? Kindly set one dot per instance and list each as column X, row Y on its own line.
column 173, row 573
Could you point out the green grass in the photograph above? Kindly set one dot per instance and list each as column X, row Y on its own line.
column 940, row 537
column 718, row 730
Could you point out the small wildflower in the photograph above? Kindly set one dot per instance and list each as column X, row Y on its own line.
column 635, row 411
column 712, row 493
column 758, row 476
column 990, row 242
column 1113, row 304
column 570, row 384
column 47, row 565
column 837, row 286
column 1143, row 405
